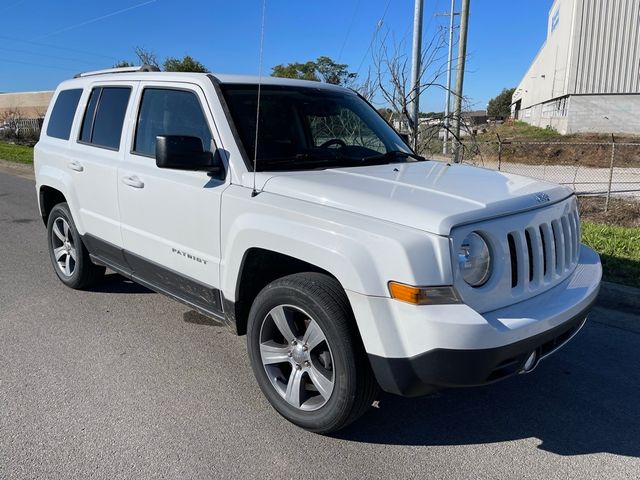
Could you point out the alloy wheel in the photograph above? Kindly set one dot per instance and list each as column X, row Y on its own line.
column 64, row 249
column 297, row 357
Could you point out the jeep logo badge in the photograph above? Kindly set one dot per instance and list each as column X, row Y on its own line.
column 542, row 197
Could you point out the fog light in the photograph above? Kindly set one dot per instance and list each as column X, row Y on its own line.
column 531, row 362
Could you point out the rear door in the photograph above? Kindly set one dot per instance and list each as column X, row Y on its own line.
column 170, row 218
column 94, row 163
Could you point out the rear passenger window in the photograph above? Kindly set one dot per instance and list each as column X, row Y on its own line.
column 62, row 114
column 169, row 112
column 87, row 122
column 104, row 117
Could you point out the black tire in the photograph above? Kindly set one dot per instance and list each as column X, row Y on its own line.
column 322, row 299
column 83, row 272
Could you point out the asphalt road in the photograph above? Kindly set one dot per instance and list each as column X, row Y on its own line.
column 124, row 383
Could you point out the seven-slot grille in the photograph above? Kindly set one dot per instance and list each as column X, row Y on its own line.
column 532, row 252
column 541, row 253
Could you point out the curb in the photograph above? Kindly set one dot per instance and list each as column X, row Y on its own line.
column 19, row 169
column 619, row 297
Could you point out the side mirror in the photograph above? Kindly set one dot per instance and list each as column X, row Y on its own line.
column 404, row 137
column 181, row 152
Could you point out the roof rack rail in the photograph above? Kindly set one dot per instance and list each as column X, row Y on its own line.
column 139, row 68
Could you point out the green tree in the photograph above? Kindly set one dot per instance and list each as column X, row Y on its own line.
column 500, row 106
column 332, row 72
column 187, row 64
column 123, row 63
column 323, row 69
column 300, row 71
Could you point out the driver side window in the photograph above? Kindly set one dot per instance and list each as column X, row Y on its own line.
column 169, row 112
column 345, row 125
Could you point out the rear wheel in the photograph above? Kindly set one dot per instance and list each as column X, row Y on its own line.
column 68, row 254
column 306, row 354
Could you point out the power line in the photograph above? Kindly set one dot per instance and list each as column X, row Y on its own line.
column 67, row 59
column 11, row 6
column 373, row 36
column 346, row 37
column 97, row 19
column 57, row 47
column 57, row 67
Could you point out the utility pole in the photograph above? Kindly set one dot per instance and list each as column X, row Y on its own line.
column 447, row 105
column 414, row 102
column 462, row 55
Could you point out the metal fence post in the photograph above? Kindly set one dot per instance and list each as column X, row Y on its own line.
column 499, row 151
column 613, row 156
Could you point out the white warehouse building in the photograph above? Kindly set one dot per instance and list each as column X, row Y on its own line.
column 586, row 76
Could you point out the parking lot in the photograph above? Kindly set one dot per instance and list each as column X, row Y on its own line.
column 120, row 382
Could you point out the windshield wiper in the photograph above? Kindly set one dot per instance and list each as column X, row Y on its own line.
column 392, row 155
column 301, row 161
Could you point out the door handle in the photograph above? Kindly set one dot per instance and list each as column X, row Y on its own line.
column 133, row 181
column 76, row 166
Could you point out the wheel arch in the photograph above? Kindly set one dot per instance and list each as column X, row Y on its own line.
column 56, row 185
column 49, row 197
column 258, row 268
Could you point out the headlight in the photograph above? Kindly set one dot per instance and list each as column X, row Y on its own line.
column 474, row 259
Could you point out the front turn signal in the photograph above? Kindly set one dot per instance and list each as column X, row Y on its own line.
column 423, row 295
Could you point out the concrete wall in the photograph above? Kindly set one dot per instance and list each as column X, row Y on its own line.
column 591, row 114
column 534, row 116
column 604, row 114
column 27, row 104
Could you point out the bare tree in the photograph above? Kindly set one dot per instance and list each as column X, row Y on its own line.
column 9, row 119
column 391, row 66
column 367, row 87
column 147, row 57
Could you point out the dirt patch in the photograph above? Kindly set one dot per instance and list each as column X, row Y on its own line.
column 18, row 169
column 596, row 155
column 622, row 212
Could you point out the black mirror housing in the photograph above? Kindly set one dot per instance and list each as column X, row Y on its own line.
column 182, row 152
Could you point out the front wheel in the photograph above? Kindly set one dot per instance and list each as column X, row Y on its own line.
column 306, row 354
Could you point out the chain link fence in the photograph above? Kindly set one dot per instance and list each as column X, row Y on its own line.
column 21, row 130
column 606, row 174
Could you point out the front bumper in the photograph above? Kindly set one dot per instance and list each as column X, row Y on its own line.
column 444, row 368
column 414, row 350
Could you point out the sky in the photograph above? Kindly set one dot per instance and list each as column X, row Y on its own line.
column 43, row 42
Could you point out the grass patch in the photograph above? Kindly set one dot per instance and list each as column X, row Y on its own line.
column 16, row 153
column 521, row 131
column 619, row 249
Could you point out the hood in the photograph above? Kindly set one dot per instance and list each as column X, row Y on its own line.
column 430, row 196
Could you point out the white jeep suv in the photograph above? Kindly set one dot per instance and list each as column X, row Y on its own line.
column 350, row 263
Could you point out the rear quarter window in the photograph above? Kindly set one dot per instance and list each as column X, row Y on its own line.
column 64, row 110
column 104, row 117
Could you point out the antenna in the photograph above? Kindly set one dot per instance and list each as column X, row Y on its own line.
column 255, row 146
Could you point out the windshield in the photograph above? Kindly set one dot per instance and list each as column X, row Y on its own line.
column 303, row 128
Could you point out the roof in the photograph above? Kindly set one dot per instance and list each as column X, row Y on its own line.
column 128, row 74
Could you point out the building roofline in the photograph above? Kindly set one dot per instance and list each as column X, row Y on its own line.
column 23, row 93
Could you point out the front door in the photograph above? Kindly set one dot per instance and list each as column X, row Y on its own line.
column 170, row 218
